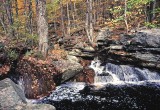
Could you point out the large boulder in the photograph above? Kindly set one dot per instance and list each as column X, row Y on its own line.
column 10, row 94
column 13, row 98
column 68, row 69
column 147, row 38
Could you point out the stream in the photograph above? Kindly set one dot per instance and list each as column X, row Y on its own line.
column 116, row 87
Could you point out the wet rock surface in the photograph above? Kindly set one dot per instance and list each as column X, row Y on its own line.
column 140, row 49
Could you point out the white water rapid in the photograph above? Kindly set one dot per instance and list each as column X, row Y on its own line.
column 111, row 73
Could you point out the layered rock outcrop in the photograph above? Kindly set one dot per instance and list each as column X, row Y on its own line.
column 141, row 48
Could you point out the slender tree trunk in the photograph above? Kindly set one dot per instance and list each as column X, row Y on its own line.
column 3, row 25
column 103, row 13
column 125, row 16
column 94, row 13
column 42, row 27
column 73, row 13
column 90, row 20
column 8, row 8
column 69, row 23
column 153, row 9
column 150, row 10
column 97, row 12
column 62, row 19
column 16, row 7
column 30, row 17
column 2, row 18
column 88, row 24
column 25, row 15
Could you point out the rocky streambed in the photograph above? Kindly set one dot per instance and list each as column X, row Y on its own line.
column 135, row 58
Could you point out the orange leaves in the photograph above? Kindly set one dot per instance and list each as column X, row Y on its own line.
column 59, row 54
column 115, row 37
column 4, row 69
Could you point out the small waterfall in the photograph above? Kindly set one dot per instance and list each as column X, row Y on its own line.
column 121, row 73
column 116, row 87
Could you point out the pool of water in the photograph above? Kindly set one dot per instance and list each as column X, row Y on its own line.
column 125, row 96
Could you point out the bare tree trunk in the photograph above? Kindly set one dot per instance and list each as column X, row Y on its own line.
column 73, row 13
column 125, row 16
column 16, row 6
column 97, row 12
column 88, row 24
column 2, row 18
column 30, row 17
column 153, row 8
column 3, row 25
column 90, row 20
column 62, row 19
column 94, row 13
column 8, row 8
column 42, row 27
column 69, row 23
column 150, row 15
column 25, row 14
column 76, row 17
column 87, row 21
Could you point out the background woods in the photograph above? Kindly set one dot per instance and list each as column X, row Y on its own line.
column 66, row 18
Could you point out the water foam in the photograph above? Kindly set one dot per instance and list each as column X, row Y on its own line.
column 121, row 74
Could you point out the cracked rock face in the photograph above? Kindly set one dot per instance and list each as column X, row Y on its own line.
column 139, row 49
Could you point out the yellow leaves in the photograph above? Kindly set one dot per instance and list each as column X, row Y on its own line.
column 22, row 8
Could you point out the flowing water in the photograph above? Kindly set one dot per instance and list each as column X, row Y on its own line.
column 116, row 87
column 121, row 73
